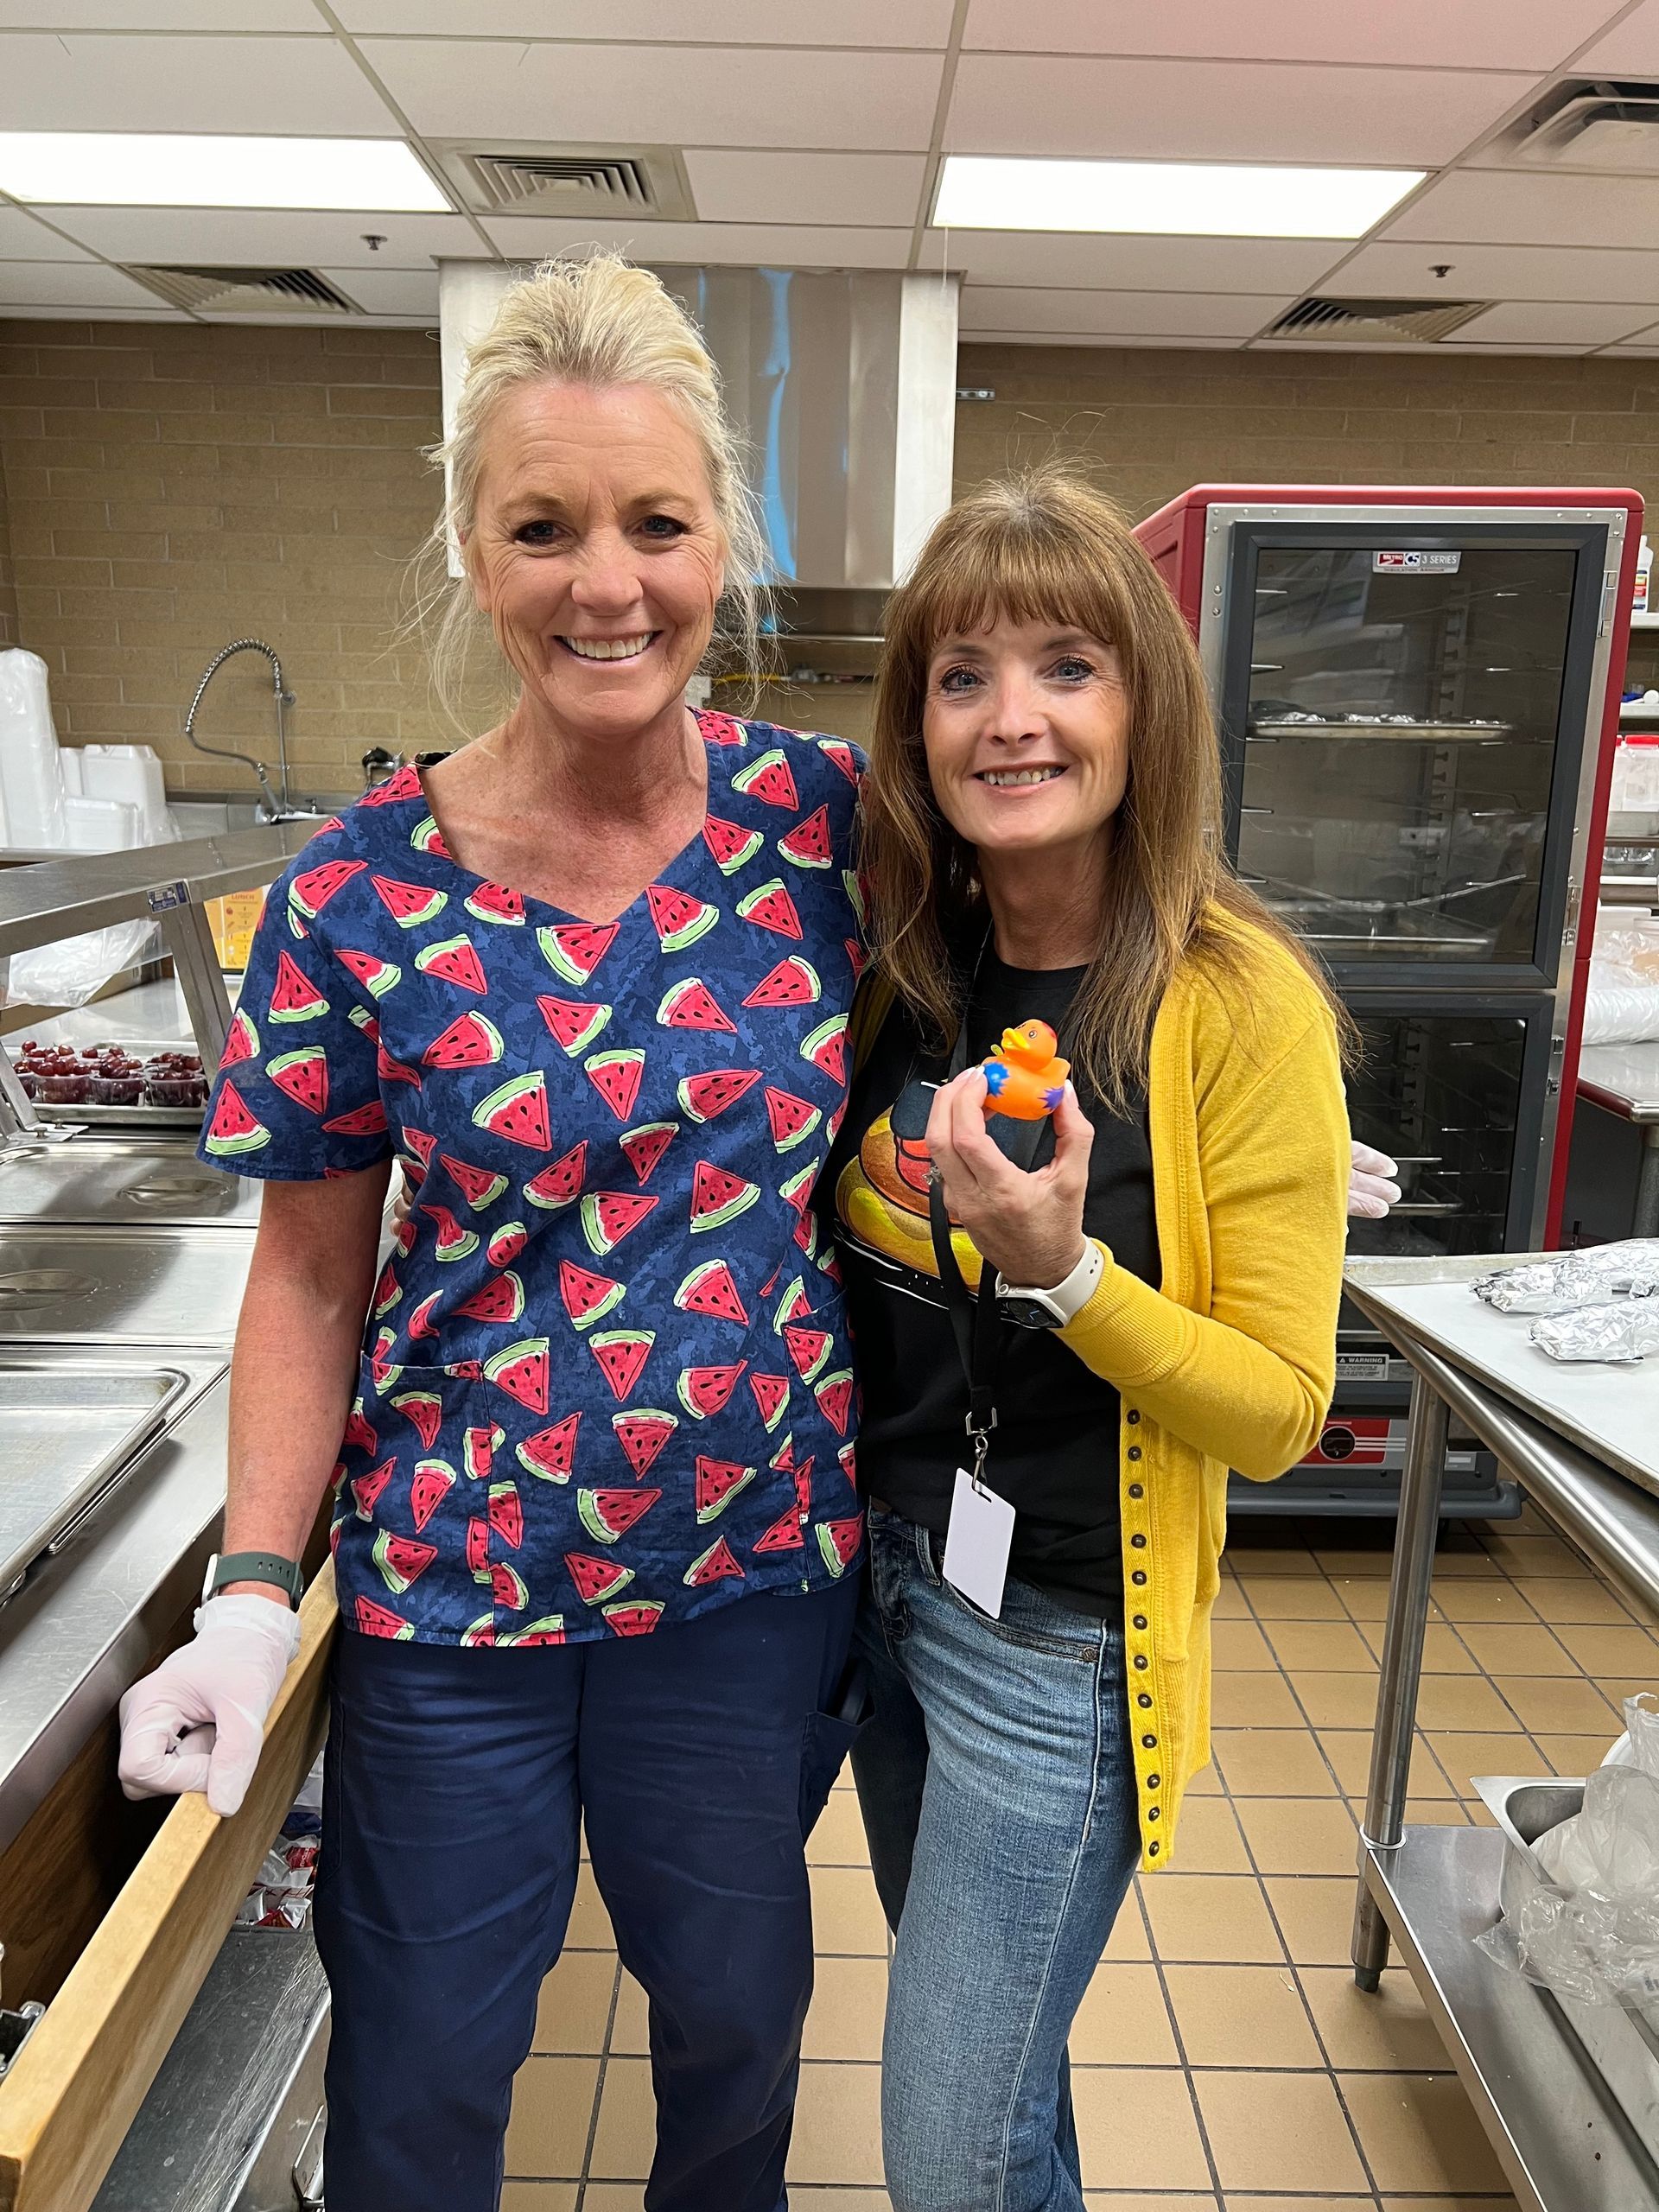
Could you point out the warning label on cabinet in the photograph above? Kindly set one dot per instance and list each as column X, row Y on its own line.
column 1412, row 557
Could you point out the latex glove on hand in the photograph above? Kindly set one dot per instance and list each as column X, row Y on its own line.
column 1371, row 1187
column 197, row 1723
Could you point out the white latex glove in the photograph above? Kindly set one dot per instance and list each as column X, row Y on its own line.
column 198, row 1721
column 1371, row 1189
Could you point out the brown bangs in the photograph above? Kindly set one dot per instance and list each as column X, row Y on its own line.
column 1046, row 547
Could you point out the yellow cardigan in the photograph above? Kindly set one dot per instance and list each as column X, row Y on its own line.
column 1230, row 1363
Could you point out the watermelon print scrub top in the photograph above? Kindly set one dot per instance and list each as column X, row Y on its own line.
column 606, row 1382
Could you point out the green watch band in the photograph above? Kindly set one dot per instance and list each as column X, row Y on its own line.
column 255, row 1566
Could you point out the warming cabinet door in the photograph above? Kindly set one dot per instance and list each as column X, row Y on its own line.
column 1404, row 717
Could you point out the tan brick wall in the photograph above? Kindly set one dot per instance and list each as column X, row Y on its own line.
column 172, row 488
column 1148, row 424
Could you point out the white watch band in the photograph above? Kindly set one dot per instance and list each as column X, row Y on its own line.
column 1068, row 1298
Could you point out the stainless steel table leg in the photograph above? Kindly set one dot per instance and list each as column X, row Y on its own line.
column 1646, row 1222
column 1403, row 1660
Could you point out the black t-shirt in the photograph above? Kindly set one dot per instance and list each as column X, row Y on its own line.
column 1054, row 1455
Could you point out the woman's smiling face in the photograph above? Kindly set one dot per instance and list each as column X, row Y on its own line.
column 1025, row 727
column 595, row 551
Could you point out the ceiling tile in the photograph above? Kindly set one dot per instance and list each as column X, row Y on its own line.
column 1132, row 263
column 237, row 238
column 732, row 187
column 159, row 16
column 673, row 95
column 990, row 308
column 1524, row 34
column 68, row 284
column 1630, row 50
column 1528, row 323
column 1222, row 110
column 1517, row 208
column 737, row 22
column 389, row 291
column 23, row 238
column 86, row 82
column 1502, row 272
column 677, row 244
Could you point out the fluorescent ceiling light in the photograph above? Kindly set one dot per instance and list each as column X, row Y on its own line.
column 119, row 168
column 1188, row 199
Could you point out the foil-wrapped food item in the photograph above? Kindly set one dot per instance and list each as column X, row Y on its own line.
column 1585, row 1278
column 1619, row 1334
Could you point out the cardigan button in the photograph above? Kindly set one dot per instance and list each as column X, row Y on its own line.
column 1142, row 1698
column 1137, row 1490
column 1139, row 1542
column 1139, row 1578
column 1134, row 1451
column 1133, row 1416
column 1141, row 1660
column 1152, row 1851
column 1139, row 1621
column 1152, row 1812
column 1149, row 1743
column 1153, row 1780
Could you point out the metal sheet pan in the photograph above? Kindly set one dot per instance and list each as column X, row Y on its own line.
column 65, row 1434
column 122, row 1117
column 1272, row 727
column 123, row 1185
column 122, row 1285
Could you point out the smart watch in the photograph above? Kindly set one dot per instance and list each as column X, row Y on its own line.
column 287, row 1574
column 1052, row 1309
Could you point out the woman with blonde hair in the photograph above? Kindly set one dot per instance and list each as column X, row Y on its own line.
column 1063, row 1345
column 586, row 980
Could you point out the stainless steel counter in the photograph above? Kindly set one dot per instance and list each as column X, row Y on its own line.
column 78, row 1632
column 1561, row 2133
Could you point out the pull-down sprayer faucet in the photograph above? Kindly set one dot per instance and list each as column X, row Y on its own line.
column 277, row 808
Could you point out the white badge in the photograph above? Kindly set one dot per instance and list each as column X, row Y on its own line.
column 976, row 1544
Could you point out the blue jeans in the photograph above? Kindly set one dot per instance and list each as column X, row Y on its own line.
column 997, row 1786
column 455, row 1787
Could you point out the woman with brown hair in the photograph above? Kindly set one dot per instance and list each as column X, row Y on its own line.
column 1063, row 1347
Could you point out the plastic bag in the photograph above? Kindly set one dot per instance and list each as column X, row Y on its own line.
column 1589, row 1930
column 1620, row 1335
column 1588, row 1277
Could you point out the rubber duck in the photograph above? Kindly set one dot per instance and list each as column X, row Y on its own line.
column 1023, row 1079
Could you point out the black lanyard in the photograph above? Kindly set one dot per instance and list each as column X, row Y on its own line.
column 977, row 1326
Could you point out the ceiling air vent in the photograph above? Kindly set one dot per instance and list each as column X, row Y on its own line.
column 1610, row 126
column 633, row 182
column 245, row 291
column 1377, row 322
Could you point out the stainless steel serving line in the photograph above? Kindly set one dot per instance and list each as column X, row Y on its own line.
column 82, row 1626
column 1585, row 1444
column 145, row 1286
column 129, row 1182
column 166, row 884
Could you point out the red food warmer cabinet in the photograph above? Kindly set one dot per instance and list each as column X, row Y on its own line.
column 1416, row 692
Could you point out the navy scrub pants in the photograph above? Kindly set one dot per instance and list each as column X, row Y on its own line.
column 456, row 1785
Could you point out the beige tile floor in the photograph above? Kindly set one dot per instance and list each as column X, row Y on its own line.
column 1223, row 2017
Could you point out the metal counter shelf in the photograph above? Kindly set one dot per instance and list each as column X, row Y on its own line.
column 1588, row 1462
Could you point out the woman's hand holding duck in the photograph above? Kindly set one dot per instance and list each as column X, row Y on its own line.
column 1028, row 1225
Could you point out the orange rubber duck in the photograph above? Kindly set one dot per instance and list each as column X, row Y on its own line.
column 1023, row 1079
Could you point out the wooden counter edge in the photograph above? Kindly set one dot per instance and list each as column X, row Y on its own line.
column 74, row 2089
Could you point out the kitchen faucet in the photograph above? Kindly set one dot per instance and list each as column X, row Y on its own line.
column 279, row 809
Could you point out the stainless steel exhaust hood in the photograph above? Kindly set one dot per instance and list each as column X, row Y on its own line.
column 844, row 387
